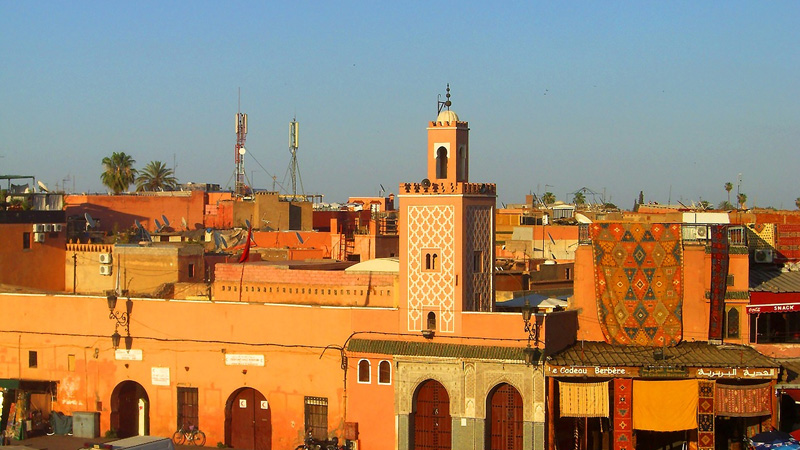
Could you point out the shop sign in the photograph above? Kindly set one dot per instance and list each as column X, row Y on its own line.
column 663, row 372
column 128, row 355
column 592, row 371
column 159, row 376
column 735, row 373
column 239, row 359
column 786, row 307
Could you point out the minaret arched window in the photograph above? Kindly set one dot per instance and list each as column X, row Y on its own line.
column 431, row 261
column 441, row 162
column 462, row 163
column 431, row 321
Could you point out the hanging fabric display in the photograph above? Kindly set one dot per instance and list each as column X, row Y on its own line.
column 623, row 425
column 583, row 399
column 705, row 415
column 743, row 401
column 638, row 271
column 665, row 405
column 719, row 280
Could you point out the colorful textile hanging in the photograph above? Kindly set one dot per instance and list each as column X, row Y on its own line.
column 719, row 280
column 665, row 405
column 583, row 399
column 743, row 401
column 623, row 424
column 638, row 272
column 705, row 415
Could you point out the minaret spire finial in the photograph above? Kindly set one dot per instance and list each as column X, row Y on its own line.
column 446, row 103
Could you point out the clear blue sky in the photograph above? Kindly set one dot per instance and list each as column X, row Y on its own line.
column 672, row 98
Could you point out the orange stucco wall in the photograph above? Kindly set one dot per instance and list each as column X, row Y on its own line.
column 46, row 258
column 118, row 212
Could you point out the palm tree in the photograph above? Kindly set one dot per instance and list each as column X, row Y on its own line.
column 742, row 199
column 579, row 199
column 729, row 187
column 156, row 177
column 549, row 198
column 119, row 172
column 797, row 202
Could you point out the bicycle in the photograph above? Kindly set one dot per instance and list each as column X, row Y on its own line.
column 193, row 435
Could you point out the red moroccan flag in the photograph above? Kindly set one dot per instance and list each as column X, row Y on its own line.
column 246, row 253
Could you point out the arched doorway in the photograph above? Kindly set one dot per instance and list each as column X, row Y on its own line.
column 505, row 419
column 130, row 410
column 432, row 424
column 248, row 420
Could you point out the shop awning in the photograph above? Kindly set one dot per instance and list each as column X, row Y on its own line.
column 28, row 385
column 773, row 308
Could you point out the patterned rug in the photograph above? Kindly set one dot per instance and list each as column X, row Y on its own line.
column 623, row 419
column 719, row 280
column 705, row 415
column 639, row 282
column 743, row 401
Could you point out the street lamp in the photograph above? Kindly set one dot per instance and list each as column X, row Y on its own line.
column 532, row 354
column 121, row 319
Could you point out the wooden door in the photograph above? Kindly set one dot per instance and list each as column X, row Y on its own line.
column 432, row 422
column 250, row 421
column 505, row 417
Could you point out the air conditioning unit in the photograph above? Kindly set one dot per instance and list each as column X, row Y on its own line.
column 105, row 270
column 763, row 255
column 38, row 228
column 689, row 233
column 38, row 237
column 57, row 227
column 105, row 258
column 702, row 231
column 48, row 228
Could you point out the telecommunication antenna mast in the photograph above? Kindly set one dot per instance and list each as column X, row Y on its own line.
column 239, row 151
column 294, row 143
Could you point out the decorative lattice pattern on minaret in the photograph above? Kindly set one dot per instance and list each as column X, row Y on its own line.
column 431, row 227
column 479, row 291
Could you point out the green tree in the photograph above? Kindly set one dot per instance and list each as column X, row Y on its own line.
column 725, row 205
column 579, row 199
column 118, row 172
column 742, row 199
column 549, row 198
column 797, row 202
column 156, row 177
column 728, row 188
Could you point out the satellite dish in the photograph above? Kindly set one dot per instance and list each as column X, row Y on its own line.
column 90, row 222
column 242, row 151
column 247, row 223
column 426, row 183
column 42, row 186
column 166, row 221
column 299, row 238
column 145, row 236
column 219, row 241
column 183, row 222
column 159, row 227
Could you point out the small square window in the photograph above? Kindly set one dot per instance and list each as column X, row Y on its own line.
column 191, row 270
column 33, row 359
column 26, row 240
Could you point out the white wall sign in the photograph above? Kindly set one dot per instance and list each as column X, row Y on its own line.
column 159, row 376
column 239, row 359
column 264, row 404
column 128, row 355
column 242, row 403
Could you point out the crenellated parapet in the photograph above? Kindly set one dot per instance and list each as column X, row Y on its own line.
column 96, row 248
column 488, row 189
column 449, row 124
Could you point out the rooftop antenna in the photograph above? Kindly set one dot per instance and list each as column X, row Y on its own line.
column 239, row 150
column 444, row 104
column 294, row 144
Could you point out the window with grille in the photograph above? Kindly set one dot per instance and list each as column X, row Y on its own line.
column 187, row 407
column 316, row 417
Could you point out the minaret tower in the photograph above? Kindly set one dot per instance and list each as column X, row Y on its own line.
column 446, row 233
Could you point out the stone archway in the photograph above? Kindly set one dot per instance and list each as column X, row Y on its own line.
column 432, row 425
column 248, row 420
column 130, row 410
